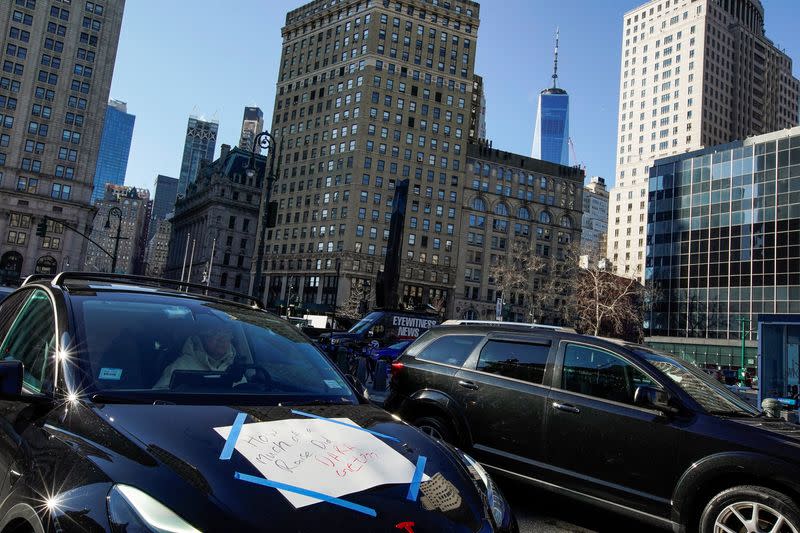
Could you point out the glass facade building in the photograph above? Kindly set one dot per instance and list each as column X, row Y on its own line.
column 201, row 141
column 115, row 146
column 723, row 237
column 552, row 127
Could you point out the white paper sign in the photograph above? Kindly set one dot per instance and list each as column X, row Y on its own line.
column 321, row 456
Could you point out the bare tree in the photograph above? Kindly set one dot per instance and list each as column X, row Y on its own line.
column 360, row 291
column 532, row 284
column 439, row 306
column 602, row 302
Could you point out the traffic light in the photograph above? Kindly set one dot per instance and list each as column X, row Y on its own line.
column 41, row 228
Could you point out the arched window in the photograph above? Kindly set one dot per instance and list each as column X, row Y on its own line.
column 478, row 204
column 544, row 217
column 523, row 213
column 486, row 169
column 566, row 222
column 501, row 209
column 46, row 265
column 470, row 314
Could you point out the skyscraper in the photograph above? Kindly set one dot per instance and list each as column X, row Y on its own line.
column 552, row 122
column 45, row 172
column 252, row 125
column 115, row 146
column 375, row 113
column 166, row 191
column 693, row 73
column 201, row 141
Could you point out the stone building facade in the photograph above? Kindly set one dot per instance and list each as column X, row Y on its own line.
column 57, row 69
column 214, row 227
column 369, row 93
column 507, row 199
column 133, row 205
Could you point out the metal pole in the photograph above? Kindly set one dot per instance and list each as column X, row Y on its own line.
column 185, row 253
column 116, row 246
column 211, row 262
column 263, row 213
column 191, row 260
column 741, row 368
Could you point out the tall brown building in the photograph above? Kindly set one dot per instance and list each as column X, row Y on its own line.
column 369, row 93
column 54, row 85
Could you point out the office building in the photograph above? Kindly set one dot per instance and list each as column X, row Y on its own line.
column 157, row 248
column 594, row 227
column 166, row 192
column 252, row 125
column 551, row 132
column 115, row 146
column 352, row 122
column 693, row 74
column 57, row 69
column 723, row 241
column 214, row 226
column 477, row 116
column 508, row 199
column 201, row 141
column 123, row 205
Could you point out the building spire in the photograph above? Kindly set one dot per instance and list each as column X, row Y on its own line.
column 555, row 62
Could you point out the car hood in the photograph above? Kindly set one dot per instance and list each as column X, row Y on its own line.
column 172, row 452
column 775, row 426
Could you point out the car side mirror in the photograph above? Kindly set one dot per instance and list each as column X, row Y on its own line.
column 653, row 398
column 11, row 372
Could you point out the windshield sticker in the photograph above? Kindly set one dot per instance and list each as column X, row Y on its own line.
column 110, row 374
column 332, row 384
column 329, row 457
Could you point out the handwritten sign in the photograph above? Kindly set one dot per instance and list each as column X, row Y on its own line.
column 321, row 456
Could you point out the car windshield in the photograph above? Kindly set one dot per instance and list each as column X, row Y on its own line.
column 708, row 392
column 183, row 349
column 365, row 323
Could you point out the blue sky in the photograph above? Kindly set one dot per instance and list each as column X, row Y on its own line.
column 210, row 58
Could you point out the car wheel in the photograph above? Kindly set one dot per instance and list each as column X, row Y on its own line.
column 750, row 509
column 435, row 427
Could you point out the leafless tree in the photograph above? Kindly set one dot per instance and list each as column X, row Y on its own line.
column 533, row 284
column 439, row 305
column 360, row 291
column 602, row 302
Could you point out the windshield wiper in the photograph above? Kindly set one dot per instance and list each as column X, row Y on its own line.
column 295, row 403
column 112, row 397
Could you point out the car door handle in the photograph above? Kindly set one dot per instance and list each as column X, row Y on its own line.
column 467, row 384
column 566, row 407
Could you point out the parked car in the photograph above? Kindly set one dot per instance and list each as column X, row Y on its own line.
column 128, row 406
column 611, row 423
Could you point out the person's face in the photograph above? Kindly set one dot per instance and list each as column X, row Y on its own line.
column 217, row 343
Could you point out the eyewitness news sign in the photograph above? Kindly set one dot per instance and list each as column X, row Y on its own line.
column 412, row 327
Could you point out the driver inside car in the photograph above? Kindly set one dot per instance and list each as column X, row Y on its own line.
column 210, row 350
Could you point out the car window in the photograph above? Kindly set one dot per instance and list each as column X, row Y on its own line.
column 450, row 349
column 8, row 311
column 31, row 338
column 601, row 374
column 518, row 360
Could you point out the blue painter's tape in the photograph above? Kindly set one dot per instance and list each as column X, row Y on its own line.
column 309, row 415
column 233, row 436
column 413, row 489
column 305, row 492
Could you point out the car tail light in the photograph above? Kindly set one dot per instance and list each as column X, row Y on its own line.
column 396, row 369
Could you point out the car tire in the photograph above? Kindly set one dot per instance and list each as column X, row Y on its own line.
column 734, row 509
column 435, row 427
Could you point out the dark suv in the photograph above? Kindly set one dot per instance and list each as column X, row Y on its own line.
column 131, row 404
column 611, row 423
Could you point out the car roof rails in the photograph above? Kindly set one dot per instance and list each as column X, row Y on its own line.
column 34, row 278
column 490, row 323
column 62, row 278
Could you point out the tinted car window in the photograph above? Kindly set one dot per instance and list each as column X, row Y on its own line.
column 450, row 349
column 601, row 374
column 31, row 338
column 515, row 360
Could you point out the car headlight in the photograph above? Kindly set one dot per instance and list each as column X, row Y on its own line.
column 497, row 503
column 132, row 511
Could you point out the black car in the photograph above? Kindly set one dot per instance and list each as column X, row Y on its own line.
column 118, row 414
column 384, row 327
column 611, row 423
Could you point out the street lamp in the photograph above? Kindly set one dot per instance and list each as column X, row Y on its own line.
column 118, row 212
column 262, row 140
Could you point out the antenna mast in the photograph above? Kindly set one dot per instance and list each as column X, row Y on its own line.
column 555, row 62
